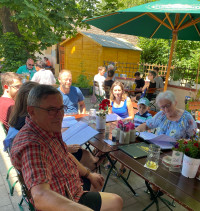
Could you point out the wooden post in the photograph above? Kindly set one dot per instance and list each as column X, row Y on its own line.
column 170, row 57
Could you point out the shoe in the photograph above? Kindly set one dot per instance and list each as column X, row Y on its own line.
column 120, row 172
column 158, row 193
column 107, row 166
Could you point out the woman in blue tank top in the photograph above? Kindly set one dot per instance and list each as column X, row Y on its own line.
column 121, row 104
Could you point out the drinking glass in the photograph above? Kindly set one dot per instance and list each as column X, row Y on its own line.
column 153, row 157
column 92, row 116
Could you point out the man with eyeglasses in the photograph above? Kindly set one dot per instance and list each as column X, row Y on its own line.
column 28, row 68
column 10, row 82
column 51, row 173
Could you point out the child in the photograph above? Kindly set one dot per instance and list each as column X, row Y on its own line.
column 142, row 115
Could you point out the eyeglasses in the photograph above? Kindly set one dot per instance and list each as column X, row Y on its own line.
column 16, row 87
column 165, row 106
column 31, row 65
column 53, row 111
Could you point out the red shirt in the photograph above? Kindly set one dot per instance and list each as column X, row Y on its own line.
column 6, row 105
column 43, row 158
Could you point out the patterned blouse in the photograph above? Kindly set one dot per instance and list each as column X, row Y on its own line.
column 185, row 127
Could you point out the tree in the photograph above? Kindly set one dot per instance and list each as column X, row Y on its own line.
column 107, row 6
column 29, row 26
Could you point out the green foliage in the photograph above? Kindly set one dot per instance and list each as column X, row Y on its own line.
column 132, row 3
column 83, row 81
column 155, row 51
column 40, row 24
column 108, row 6
column 190, row 147
column 14, row 50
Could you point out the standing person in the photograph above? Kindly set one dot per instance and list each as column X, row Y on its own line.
column 50, row 172
column 121, row 104
column 28, row 68
column 158, row 79
column 72, row 96
column 100, row 79
column 10, row 82
column 108, row 83
column 42, row 75
column 47, row 62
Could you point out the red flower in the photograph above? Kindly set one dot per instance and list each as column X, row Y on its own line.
column 187, row 150
column 196, row 144
column 185, row 142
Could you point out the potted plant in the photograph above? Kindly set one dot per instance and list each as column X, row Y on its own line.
column 83, row 82
column 176, row 76
column 101, row 114
column 191, row 156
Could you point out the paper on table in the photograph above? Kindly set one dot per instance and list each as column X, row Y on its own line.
column 164, row 141
column 109, row 142
column 68, row 121
column 79, row 133
column 147, row 135
column 112, row 117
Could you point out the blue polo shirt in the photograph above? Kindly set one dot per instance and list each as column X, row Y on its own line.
column 71, row 99
column 24, row 69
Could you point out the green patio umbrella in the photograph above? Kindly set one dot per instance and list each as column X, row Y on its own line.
column 176, row 19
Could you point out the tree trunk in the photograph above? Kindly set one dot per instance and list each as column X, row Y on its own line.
column 8, row 25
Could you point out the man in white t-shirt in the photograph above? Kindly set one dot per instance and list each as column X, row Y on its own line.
column 42, row 75
column 100, row 79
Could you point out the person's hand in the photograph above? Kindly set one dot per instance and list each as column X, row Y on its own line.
column 96, row 180
column 73, row 148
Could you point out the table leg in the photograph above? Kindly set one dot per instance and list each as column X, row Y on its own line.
column 155, row 197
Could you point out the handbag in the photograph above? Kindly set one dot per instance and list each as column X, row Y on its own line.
column 93, row 99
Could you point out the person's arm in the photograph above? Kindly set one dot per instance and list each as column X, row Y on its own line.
column 141, row 128
column 47, row 200
column 130, row 109
column 96, row 180
column 82, row 107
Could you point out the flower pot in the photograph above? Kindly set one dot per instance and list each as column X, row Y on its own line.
column 100, row 122
column 124, row 137
column 190, row 166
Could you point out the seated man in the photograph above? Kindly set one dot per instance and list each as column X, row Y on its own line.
column 11, row 82
column 100, row 79
column 72, row 96
column 50, row 172
column 28, row 68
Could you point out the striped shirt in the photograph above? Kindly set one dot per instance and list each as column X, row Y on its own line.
column 140, row 119
column 43, row 158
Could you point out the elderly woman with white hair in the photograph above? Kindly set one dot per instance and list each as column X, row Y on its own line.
column 171, row 120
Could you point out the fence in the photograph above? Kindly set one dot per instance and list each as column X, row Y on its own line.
column 185, row 75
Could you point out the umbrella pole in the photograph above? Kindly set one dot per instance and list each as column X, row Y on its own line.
column 170, row 58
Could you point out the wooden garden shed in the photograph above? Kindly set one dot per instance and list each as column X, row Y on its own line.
column 87, row 51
